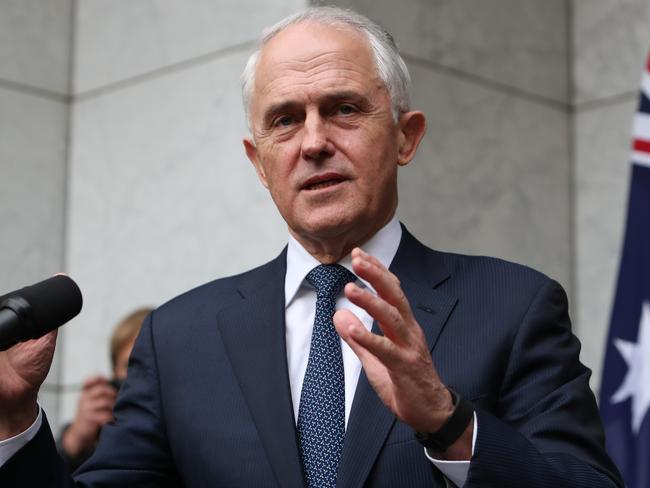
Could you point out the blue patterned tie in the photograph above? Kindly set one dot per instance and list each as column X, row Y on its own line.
column 321, row 415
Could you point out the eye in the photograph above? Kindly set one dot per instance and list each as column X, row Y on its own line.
column 346, row 109
column 283, row 121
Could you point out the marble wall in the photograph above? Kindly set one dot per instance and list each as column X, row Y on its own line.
column 34, row 73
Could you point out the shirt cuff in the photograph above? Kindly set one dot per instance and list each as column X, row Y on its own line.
column 11, row 446
column 456, row 471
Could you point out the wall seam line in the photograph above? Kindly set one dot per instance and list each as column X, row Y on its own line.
column 573, row 169
column 488, row 84
column 61, row 346
column 161, row 72
column 33, row 91
column 609, row 101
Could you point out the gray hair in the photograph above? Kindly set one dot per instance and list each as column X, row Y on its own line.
column 390, row 66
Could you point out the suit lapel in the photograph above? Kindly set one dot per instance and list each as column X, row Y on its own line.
column 420, row 270
column 253, row 333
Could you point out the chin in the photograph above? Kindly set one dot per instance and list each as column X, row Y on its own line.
column 332, row 224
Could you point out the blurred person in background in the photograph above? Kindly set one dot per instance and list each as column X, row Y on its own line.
column 95, row 406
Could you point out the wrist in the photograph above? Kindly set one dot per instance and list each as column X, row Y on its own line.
column 462, row 449
column 456, row 427
column 436, row 411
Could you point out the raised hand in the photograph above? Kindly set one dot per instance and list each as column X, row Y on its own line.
column 397, row 364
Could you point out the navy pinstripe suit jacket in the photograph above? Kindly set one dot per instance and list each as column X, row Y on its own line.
column 207, row 400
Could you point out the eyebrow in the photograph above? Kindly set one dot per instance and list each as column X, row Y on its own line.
column 278, row 108
column 325, row 98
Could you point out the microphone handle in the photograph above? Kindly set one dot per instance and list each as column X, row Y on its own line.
column 9, row 328
column 16, row 323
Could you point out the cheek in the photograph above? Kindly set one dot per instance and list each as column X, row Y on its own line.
column 279, row 167
column 369, row 145
column 280, row 188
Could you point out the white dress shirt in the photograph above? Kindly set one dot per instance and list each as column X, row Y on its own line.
column 11, row 446
column 300, row 308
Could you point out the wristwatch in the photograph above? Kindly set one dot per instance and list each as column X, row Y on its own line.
column 453, row 427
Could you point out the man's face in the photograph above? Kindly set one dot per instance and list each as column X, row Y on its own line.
column 325, row 143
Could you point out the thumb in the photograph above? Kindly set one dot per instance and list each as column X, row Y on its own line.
column 348, row 326
column 343, row 320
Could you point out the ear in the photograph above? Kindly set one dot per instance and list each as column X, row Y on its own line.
column 251, row 152
column 411, row 127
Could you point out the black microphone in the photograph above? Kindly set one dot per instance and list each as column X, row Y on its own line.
column 33, row 311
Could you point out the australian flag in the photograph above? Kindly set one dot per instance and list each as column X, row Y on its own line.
column 625, row 391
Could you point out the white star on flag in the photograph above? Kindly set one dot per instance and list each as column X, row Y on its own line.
column 636, row 384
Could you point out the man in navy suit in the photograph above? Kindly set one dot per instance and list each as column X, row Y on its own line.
column 455, row 369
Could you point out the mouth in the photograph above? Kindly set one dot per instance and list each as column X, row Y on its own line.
column 319, row 182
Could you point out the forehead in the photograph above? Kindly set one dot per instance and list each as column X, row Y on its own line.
column 315, row 56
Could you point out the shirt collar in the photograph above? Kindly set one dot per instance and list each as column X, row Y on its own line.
column 383, row 245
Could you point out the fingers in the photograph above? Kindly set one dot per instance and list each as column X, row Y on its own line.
column 95, row 408
column 98, row 392
column 94, row 380
column 94, row 413
column 95, row 418
column 403, row 340
column 398, row 363
column 101, row 417
column 347, row 324
column 368, row 347
column 23, row 368
column 389, row 307
column 97, row 400
column 389, row 318
column 385, row 283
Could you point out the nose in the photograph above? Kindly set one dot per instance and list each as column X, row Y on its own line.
column 316, row 144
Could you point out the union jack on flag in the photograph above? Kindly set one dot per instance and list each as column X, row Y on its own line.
column 641, row 144
column 625, row 391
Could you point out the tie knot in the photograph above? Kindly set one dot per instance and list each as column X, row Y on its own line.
column 329, row 279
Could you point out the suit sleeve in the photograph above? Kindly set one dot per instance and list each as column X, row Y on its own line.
column 133, row 451
column 546, row 430
column 37, row 464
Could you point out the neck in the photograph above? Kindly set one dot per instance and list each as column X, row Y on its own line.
column 331, row 249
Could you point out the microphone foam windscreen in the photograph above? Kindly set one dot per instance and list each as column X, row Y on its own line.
column 53, row 301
